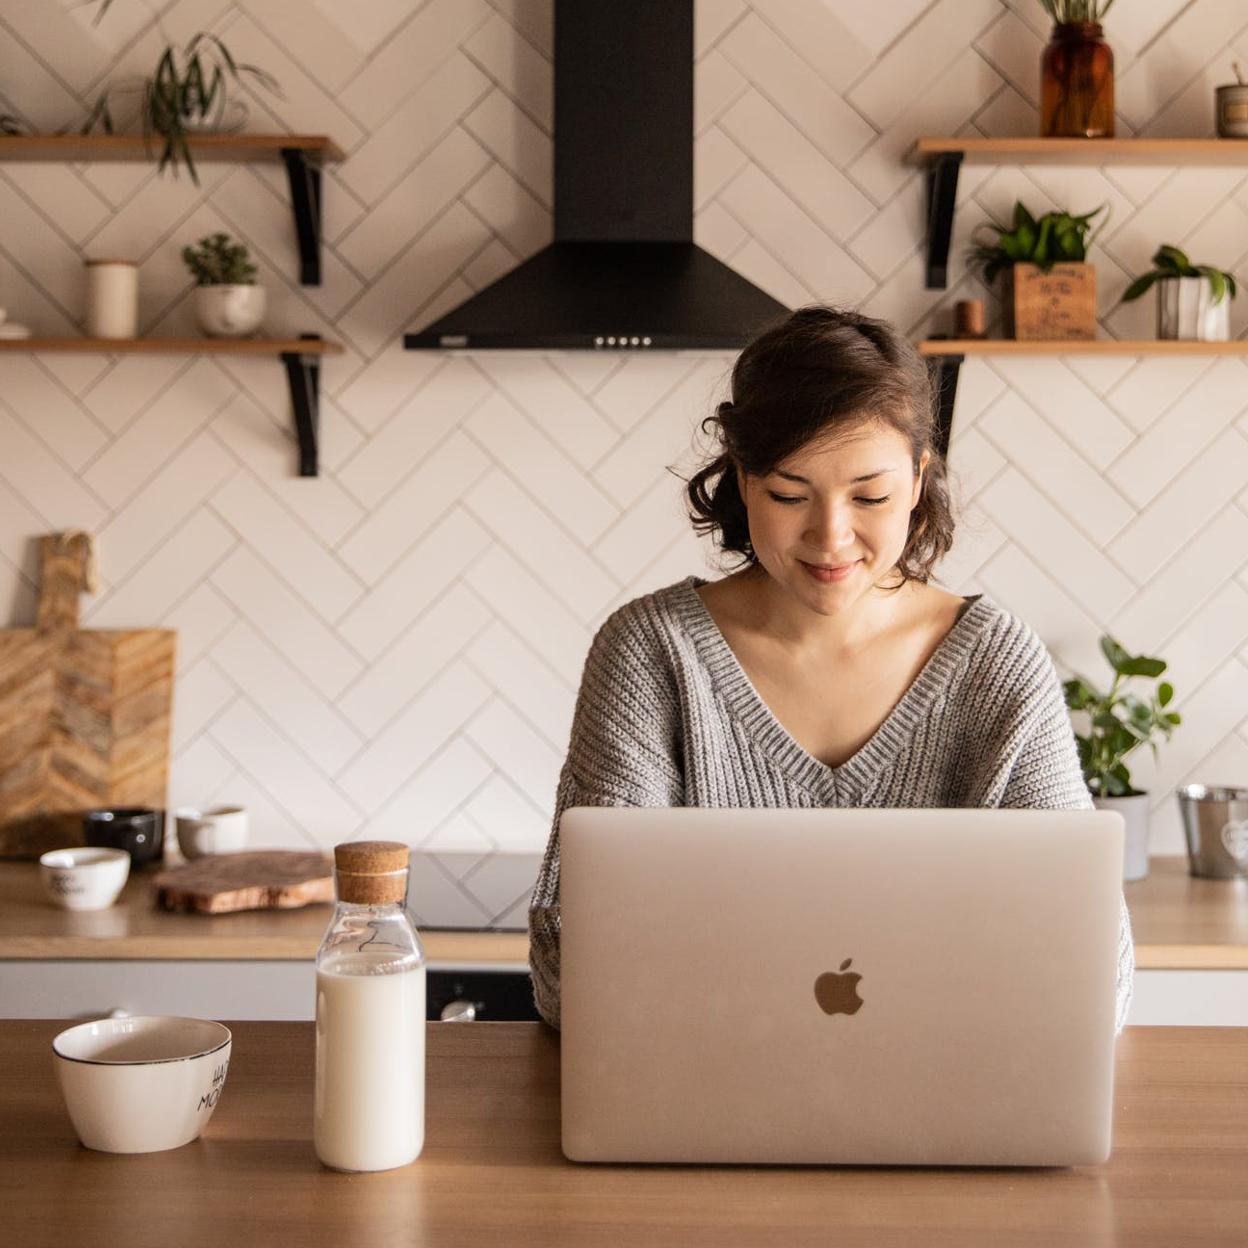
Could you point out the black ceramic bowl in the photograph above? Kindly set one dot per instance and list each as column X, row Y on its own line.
column 139, row 830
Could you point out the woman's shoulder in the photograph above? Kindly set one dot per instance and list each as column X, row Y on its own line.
column 645, row 625
column 651, row 615
column 1004, row 652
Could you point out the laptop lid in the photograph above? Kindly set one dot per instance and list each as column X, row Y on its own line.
column 910, row 987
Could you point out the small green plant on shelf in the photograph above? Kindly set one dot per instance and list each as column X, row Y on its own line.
column 1171, row 262
column 187, row 93
column 216, row 261
column 1119, row 721
column 1054, row 238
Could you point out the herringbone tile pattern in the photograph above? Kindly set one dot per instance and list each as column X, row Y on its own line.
column 393, row 649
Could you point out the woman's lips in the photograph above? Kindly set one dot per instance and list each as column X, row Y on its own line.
column 825, row 575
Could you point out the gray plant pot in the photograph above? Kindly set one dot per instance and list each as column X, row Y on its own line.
column 1185, row 310
column 1134, row 811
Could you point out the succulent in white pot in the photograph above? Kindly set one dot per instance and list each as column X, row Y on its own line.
column 228, row 303
column 1193, row 300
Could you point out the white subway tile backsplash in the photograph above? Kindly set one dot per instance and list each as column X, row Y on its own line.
column 393, row 649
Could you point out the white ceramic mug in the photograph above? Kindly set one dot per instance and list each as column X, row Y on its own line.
column 221, row 830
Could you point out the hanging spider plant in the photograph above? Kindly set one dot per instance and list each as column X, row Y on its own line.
column 181, row 99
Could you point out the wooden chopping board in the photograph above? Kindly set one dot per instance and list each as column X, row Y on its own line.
column 265, row 879
column 84, row 713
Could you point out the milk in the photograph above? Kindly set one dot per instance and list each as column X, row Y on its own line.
column 369, row 1111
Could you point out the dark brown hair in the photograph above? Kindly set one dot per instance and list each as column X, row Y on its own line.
column 820, row 374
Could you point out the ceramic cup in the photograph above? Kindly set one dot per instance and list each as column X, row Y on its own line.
column 144, row 1084
column 139, row 830
column 84, row 879
column 221, row 830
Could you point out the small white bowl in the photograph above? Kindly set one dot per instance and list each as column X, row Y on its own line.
column 88, row 878
column 144, row 1084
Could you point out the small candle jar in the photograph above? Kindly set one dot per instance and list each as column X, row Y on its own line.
column 1232, row 107
column 112, row 299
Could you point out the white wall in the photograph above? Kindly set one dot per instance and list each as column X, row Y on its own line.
column 394, row 647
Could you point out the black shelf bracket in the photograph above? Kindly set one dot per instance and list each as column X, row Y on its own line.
column 944, row 372
column 942, row 193
column 303, row 373
column 304, row 176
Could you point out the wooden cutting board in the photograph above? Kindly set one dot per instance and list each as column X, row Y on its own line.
column 267, row 879
column 84, row 713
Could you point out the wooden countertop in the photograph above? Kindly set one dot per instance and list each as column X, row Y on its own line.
column 31, row 927
column 1179, row 923
column 492, row 1172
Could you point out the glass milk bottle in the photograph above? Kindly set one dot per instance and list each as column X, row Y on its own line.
column 370, row 1017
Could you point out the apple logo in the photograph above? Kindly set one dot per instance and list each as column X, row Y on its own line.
column 838, row 993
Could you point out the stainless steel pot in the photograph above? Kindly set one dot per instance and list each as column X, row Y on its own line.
column 1216, row 823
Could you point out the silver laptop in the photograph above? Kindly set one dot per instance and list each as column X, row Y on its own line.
column 884, row 987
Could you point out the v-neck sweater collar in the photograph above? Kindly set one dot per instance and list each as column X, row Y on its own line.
column 888, row 740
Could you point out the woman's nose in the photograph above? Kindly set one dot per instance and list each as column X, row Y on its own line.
column 831, row 530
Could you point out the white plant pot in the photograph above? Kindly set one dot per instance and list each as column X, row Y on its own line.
column 1134, row 811
column 1185, row 310
column 229, row 311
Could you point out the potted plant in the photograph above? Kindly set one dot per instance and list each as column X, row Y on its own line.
column 1051, row 289
column 186, row 94
column 1118, row 723
column 1077, row 72
column 1193, row 300
column 228, row 303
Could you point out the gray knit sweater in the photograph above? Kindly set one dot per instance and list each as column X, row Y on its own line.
column 667, row 717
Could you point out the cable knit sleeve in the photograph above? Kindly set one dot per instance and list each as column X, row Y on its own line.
column 1045, row 775
column 624, row 751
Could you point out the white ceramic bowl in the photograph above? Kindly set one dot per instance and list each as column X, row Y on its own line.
column 221, row 830
column 144, row 1084
column 89, row 878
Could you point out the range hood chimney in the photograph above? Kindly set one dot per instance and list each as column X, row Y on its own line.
column 623, row 272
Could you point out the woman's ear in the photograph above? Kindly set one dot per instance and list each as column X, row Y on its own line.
column 924, row 460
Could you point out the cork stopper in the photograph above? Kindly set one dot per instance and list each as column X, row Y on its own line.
column 371, row 873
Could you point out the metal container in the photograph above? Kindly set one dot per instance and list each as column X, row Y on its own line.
column 1216, row 823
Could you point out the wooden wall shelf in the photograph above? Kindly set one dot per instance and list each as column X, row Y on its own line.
column 943, row 157
column 945, row 357
column 302, row 154
column 301, row 357
column 1098, row 346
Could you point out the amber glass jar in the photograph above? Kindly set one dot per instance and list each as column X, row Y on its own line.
column 1077, row 83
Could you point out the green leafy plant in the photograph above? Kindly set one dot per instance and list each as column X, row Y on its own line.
column 188, row 91
column 1055, row 238
column 1119, row 721
column 1171, row 262
column 215, row 261
column 1063, row 11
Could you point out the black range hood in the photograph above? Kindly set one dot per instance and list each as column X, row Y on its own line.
column 623, row 272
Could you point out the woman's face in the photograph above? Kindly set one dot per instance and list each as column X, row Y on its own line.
column 831, row 521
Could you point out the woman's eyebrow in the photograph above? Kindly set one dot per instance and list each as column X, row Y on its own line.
column 870, row 476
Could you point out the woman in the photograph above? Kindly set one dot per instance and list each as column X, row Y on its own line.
column 827, row 670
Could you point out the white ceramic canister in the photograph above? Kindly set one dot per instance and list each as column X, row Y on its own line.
column 112, row 299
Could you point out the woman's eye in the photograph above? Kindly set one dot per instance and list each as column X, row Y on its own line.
column 784, row 498
column 874, row 502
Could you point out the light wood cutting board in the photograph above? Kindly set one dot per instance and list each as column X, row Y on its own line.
column 84, row 713
column 266, row 879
